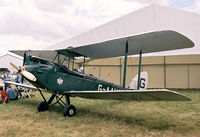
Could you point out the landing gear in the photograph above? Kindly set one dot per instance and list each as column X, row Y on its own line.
column 68, row 109
column 42, row 106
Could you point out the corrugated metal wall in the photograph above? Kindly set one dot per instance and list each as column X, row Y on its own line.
column 181, row 71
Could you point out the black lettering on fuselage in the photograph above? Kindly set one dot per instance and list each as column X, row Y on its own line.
column 100, row 88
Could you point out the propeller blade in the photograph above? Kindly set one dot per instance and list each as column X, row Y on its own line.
column 14, row 66
column 25, row 73
column 28, row 75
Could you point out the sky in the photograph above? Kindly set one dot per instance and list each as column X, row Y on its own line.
column 36, row 24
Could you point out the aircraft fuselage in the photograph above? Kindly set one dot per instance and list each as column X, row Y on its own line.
column 58, row 78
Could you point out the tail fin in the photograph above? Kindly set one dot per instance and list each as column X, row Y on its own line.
column 143, row 81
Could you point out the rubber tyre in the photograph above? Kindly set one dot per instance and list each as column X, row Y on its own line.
column 69, row 110
column 42, row 106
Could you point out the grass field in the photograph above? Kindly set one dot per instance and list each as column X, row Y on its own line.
column 103, row 118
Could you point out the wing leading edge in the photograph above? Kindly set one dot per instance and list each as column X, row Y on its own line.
column 132, row 95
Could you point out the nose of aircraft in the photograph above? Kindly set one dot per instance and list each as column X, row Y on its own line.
column 23, row 71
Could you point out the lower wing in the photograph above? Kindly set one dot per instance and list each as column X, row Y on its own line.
column 21, row 85
column 130, row 95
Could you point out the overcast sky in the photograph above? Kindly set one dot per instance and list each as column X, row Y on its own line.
column 36, row 24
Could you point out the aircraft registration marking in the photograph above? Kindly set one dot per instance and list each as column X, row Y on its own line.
column 100, row 88
column 60, row 81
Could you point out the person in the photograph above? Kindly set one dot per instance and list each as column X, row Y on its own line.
column 6, row 77
column 3, row 96
column 12, row 93
column 18, row 78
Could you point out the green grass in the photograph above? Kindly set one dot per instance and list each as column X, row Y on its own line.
column 103, row 118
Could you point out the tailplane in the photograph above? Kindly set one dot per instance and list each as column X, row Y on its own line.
column 143, row 81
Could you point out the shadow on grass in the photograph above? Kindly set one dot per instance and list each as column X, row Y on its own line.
column 136, row 120
column 33, row 103
column 87, row 112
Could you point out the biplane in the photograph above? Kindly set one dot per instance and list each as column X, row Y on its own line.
column 61, row 81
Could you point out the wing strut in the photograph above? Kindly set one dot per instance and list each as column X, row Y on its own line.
column 139, row 70
column 73, row 63
column 84, row 65
column 55, row 57
column 125, row 64
column 64, row 59
column 68, row 62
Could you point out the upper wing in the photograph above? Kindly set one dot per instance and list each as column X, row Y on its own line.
column 131, row 95
column 148, row 42
column 46, row 54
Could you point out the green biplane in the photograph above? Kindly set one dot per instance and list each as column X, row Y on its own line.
column 62, row 82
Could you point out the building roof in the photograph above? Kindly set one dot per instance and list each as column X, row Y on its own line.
column 147, row 19
column 7, row 58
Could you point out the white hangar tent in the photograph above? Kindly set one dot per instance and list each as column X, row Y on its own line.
column 6, row 59
column 147, row 19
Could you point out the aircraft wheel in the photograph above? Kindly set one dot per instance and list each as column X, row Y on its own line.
column 69, row 110
column 42, row 106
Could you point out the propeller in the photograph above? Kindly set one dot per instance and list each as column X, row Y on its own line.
column 25, row 73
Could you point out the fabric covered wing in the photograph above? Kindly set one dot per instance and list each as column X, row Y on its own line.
column 148, row 42
column 132, row 95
